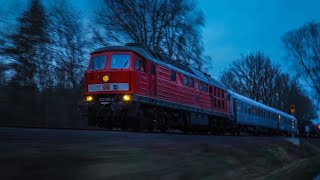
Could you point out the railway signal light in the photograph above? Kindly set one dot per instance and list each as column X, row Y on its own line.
column 292, row 108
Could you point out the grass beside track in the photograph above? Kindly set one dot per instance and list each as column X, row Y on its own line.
column 160, row 161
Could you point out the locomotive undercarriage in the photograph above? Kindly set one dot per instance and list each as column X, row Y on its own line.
column 145, row 117
column 139, row 117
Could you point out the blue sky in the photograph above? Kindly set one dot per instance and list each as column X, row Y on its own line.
column 235, row 27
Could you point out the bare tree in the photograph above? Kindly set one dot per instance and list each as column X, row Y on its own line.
column 255, row 77
column 170, row 27
column 27, row 44
column 303, row 45
column 67, row 44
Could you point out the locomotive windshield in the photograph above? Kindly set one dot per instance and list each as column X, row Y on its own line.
column 120, row 61
column 98, row 62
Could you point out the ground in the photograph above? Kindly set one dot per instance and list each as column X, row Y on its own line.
column 91, row 154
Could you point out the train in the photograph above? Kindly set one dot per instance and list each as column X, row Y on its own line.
column 133, row 87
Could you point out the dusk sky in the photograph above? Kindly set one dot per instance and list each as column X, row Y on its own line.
column 235, row 27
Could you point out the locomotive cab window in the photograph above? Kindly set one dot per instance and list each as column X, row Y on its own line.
column 173, row 76
column 98, row 63
column 120, row 61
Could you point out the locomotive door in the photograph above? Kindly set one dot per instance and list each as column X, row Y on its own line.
column 152, row 80
column 197, row 93
column 235, row 109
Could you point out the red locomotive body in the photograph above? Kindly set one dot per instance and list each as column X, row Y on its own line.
column 132, row 87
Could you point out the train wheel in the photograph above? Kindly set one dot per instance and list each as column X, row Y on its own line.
column 183, row 122
column 141, row 120
column 162, row 121
column 124, row 121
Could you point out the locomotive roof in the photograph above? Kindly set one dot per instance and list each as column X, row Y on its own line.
column 258, row 104
column 164, row 61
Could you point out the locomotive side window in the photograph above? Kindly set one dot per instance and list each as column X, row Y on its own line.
column 120, row 61
column 152, row 69
column 173, row 75
column 206, row 87
column 98, row 62
column 201, row 86
column 137, row 65
column 185, row 80
column 142, row 66
column 191, row 82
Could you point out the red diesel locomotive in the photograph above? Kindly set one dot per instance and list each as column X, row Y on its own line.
column 133, row 87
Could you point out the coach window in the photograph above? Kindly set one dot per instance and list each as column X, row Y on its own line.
column 173, row 76
column 218, row 92
column 215, row 91
column 219, row 104
column 201, row 86
column 222, row 104
column 191, row 82
column 142, row 66
column 222, row 94
column 185, row 80
column 206, row 87
column 214, row 102
column 152, row 69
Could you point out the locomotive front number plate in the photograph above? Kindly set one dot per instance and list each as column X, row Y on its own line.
column 108, row 87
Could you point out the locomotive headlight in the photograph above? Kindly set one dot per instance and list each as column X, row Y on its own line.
column 88, row 98
column 105, row 78
column 127, row 97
